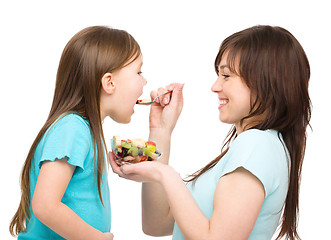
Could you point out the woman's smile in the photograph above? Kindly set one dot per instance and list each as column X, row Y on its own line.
column 222, row 102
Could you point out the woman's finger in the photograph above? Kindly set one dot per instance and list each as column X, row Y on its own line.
column 177, row 95
column 128, row 169
column 109, row 236
column 173, row 87
column 113, row 164
column 153, row 94
column 160, row 99
column 166, row 98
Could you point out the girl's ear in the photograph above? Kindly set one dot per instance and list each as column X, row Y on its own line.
column 107, row 83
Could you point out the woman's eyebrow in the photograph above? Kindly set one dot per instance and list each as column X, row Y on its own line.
column 221, row 67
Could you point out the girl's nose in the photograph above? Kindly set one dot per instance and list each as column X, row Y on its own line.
column 144, row 81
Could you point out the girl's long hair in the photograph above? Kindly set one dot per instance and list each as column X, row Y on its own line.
column 90, row 54
column 275, row 67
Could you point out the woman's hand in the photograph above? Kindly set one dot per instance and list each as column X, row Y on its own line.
column 166, row 109
column 156, row 217
column 149, row 171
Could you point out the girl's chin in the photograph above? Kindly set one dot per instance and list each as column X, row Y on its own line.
column 126, row 119
column 122, row 119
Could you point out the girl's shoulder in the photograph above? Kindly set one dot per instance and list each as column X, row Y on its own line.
column 71, row 120
column 69, row 136
column 69, row 124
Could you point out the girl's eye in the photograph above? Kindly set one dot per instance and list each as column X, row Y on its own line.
column 139, row 73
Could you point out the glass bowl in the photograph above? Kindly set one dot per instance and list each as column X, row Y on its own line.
column 133, row 151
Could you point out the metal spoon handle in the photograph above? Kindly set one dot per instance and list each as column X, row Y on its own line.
column 150, row 102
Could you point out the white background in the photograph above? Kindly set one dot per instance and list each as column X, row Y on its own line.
column 179, row 41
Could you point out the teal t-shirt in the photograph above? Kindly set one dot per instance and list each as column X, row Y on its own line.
column 262, row 153
column 70, row 137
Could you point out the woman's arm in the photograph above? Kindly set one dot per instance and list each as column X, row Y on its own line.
column 52, row 182
column 157, row 219
column 238, row 199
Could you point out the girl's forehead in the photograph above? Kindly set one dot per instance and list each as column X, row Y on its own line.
column 138, row 61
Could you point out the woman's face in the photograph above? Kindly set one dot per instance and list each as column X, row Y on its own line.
column 233, row 95
column 129, row 85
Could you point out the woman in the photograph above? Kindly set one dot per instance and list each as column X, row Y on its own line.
column 262, row 87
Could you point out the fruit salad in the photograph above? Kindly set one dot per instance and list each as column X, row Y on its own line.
column 143, row 101
column 133, row 151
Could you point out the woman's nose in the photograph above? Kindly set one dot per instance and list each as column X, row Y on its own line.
column 217, row 86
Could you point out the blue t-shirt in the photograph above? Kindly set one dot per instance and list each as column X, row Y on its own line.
column 264, row 155
column 70, row 137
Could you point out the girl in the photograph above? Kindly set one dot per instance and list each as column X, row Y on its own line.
column 65, row 192
column 262, row 87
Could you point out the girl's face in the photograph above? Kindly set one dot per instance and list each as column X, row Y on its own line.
column 233, row 95
column 128, row 87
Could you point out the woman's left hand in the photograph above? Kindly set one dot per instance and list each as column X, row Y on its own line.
column 149, row 171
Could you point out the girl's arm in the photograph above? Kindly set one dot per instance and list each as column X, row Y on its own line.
column 238, row 199
column 52, row 182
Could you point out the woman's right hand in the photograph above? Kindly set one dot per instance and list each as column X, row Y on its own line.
column 108, row 236
column 166, row 110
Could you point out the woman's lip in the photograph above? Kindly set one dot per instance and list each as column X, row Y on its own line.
column 222, row 102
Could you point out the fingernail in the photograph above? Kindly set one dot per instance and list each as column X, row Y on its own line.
column 165, row 101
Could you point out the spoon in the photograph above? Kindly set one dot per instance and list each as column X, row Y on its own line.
column 148, row 102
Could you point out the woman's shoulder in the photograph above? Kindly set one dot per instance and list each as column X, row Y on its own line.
column 259, row 142
column 258, row 137
column 262, row 153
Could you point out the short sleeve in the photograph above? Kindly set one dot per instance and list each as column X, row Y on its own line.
column 259, row 152
column 69, row 137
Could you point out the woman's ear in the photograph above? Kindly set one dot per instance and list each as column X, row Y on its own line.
column 107, row 83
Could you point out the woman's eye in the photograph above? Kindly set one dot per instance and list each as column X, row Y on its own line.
column 225, row 76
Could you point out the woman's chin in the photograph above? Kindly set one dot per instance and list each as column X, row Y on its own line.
column 223, row 119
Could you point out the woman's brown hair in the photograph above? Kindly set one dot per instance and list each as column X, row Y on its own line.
column 275, row 67
column 89, row 54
